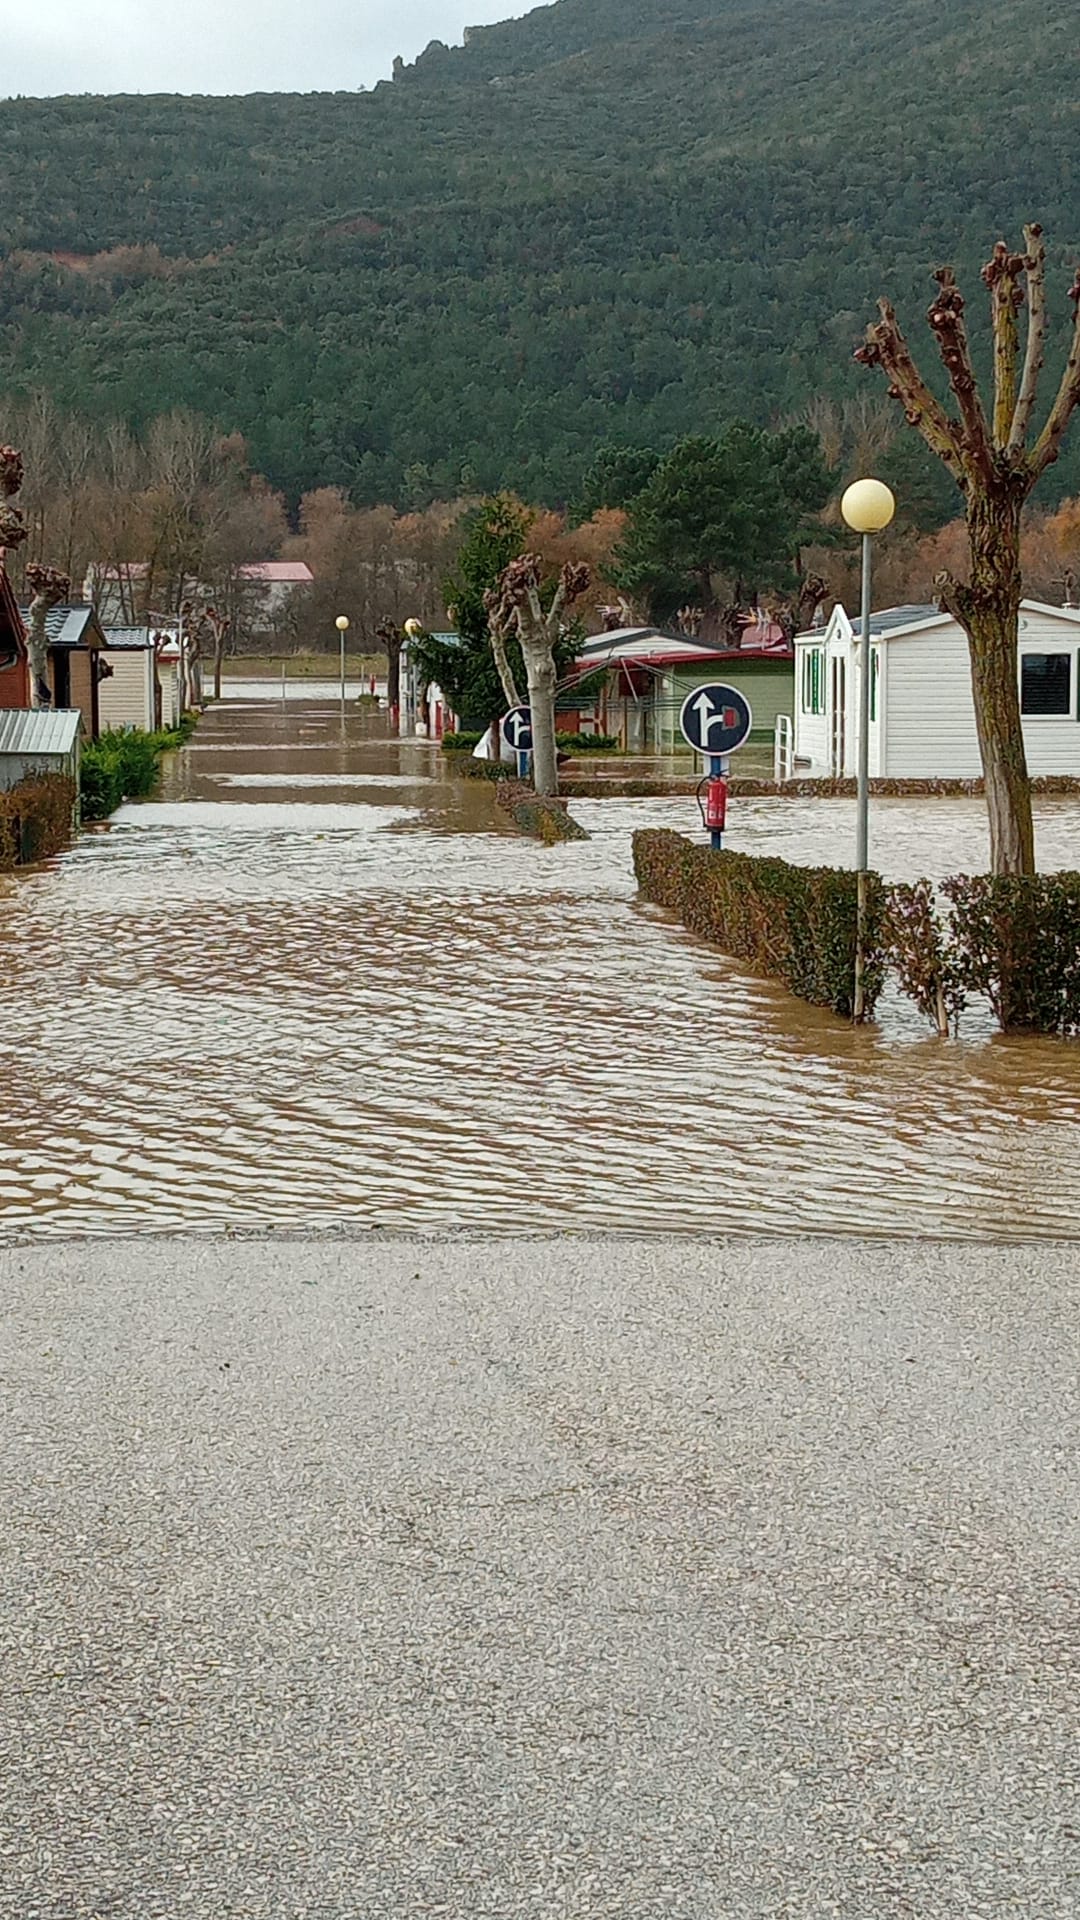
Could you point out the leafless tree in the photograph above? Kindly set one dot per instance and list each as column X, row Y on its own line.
column 48, row 588
column 517, row 604
column 989, row 457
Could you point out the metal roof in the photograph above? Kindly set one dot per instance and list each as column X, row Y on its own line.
column 128, row 637
column 44, row 730
column 66, row 626
column 893, row 617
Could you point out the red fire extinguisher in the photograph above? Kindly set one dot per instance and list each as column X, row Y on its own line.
column 716, row 805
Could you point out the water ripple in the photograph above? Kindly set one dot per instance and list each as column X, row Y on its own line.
column 341, row 1007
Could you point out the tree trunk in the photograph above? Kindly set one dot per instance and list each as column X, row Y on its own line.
column 502, row 665
column 393, row 672
column 540, row 667
column 990, row 612
column 219, row 651
column 37, row 647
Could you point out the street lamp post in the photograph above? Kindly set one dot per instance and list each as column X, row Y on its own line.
column 411, row 716
column 342, row 625
column 867, row 506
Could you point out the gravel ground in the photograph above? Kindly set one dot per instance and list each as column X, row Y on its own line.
column 357, row 1579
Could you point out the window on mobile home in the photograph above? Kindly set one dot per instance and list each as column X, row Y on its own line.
column 1046, row 684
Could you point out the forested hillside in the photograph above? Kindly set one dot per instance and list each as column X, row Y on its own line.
column 613, row 219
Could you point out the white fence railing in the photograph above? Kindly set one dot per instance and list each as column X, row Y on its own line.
column 783, row 748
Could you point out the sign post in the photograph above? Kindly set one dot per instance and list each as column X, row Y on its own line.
column 716, row 720
column 517, row 732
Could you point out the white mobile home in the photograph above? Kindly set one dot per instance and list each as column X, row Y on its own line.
column 922, row 716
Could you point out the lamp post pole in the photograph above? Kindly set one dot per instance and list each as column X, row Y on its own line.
column 342, row 625
column 862, row 818
column 868, row 507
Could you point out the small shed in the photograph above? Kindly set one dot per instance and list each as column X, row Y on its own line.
column 36, row 741
column 922, row 714
column 127, row 694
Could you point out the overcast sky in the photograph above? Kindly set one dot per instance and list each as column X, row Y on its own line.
column 224, row 46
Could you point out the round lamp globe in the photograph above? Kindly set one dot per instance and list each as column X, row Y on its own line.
column 868, row 506
column 341, row 622
column 413, row 628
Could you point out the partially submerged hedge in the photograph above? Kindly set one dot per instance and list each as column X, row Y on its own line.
column 547, row 820
column 796, row 924
column 1014, row 939
column 36, row 819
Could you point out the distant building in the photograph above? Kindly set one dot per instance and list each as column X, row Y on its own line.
column 272, row 584
column 922, row 713
column 649, row 674
column 266, row 586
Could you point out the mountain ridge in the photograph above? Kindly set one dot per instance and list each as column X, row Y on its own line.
column 597, row 221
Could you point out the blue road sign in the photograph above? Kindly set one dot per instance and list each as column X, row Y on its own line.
column 517, row 729
column 716, row 719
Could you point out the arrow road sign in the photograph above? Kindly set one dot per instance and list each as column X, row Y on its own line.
column 517, row 729
column 716, row 719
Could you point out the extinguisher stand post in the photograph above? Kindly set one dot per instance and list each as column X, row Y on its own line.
column 717, row 770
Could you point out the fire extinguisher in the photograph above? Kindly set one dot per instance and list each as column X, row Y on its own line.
column 716, row 805
column 712, row 800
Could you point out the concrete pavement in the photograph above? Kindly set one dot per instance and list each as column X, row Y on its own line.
column 373, row 1578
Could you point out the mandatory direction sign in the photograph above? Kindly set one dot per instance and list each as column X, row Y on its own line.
column 517, row 729
column 716, row 719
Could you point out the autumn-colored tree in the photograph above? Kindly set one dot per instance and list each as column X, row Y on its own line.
column 516, row 604
column 995, row 468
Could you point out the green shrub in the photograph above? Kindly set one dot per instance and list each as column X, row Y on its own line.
column 796, row 924
column 460, row 742
column 587, row 742
column 123, row 764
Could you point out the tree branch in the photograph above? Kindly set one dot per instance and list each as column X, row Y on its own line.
column 1002, row 275
column 1035, row 351
column 1048, row 443
column 497, row 635
column 954, row 597
column 946, row 317
column 886, row 347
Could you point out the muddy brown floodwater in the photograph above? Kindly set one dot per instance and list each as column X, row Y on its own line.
column 317, row 982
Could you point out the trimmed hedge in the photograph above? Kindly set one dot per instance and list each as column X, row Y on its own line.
column 36, row 819
column 566, row 742
column 547, row 820
column 795, row 924
column 1013, row 938
column 587, row 742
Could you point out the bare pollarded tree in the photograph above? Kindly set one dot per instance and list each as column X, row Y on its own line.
column 48, row 588
column 995, row 463
column 516, row 605
column 13, row 528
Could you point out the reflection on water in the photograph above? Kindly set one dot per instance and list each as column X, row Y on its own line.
column 318, row 982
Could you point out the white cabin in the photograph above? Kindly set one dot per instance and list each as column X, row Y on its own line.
column 127, row 695
column 922, row 715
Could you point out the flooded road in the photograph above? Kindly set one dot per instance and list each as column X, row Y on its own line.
column 317, row 982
